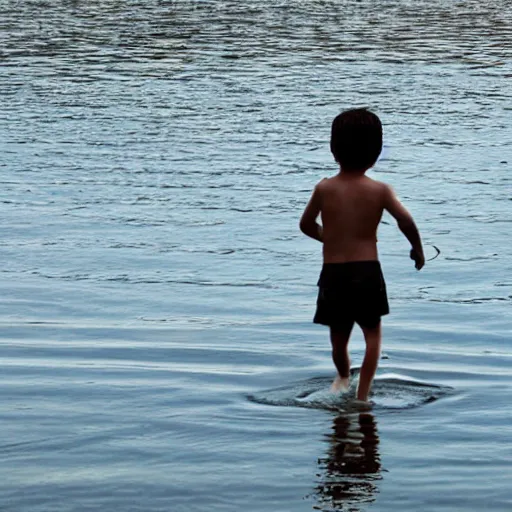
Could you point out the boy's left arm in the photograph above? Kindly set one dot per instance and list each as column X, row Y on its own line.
column 308, row 224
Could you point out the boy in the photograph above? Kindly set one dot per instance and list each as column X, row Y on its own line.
column 351, row 285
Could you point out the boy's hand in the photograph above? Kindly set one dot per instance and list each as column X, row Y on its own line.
column 419, row 259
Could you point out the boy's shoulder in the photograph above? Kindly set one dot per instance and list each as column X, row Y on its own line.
column 335, row 182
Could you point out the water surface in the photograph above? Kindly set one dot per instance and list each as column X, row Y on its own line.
column 156, row 158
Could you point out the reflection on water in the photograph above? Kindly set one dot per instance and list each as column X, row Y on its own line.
column 351, row 468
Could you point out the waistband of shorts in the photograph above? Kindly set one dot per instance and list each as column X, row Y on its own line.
column 352, row 264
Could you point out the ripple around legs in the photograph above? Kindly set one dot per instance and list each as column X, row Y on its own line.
column 389, row 391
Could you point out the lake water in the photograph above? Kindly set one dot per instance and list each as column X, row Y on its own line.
column 157, row 351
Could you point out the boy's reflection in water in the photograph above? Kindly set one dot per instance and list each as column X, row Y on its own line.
column 351, row 468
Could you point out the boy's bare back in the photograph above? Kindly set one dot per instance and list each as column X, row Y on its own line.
column 351, row 207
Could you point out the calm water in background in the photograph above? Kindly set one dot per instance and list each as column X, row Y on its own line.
column 156, row 157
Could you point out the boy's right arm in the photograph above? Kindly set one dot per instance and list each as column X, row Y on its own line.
column 406, row 224
column 308, row 224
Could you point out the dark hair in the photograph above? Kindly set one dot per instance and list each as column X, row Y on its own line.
column 356, row 139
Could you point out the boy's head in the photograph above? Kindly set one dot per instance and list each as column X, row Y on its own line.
column 356, row 139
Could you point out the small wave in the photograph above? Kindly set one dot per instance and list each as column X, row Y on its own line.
column 389, row 391
column 472, row 258
column 475, row 300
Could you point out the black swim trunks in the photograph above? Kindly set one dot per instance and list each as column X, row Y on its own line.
column 351, row 292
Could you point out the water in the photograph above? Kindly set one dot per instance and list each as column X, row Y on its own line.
column 156, row 292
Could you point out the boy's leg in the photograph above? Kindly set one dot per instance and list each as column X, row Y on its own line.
column 372, row 337
column 339, row 341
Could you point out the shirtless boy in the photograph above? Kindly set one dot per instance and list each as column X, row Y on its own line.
column 351, row 285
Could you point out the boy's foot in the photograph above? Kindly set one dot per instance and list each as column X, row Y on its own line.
column 340, row 384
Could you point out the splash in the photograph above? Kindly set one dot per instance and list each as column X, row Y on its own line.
column 389, row 391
